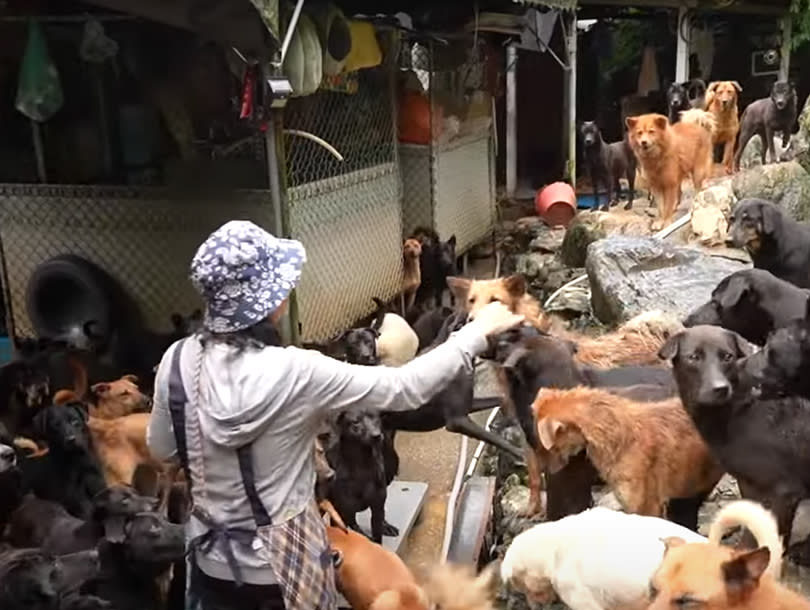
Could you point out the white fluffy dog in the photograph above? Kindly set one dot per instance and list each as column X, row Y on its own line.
column 600, row 559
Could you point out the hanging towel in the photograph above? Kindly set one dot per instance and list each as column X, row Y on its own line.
column 703, row 46
column 366, row 52
column 39, row 91
column 648, row 75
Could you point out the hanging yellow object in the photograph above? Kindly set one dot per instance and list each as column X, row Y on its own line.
column 366, row 52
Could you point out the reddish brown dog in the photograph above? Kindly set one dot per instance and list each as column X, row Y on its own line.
column 667, row 154
column 647, row 453
column 721, row 101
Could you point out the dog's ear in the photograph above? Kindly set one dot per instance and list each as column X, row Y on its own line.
column 670, row 347
column 670, row 542
column 736, row 289
column 661, row 122
column 460, row 287
column 63, row 397
column 452, row 240
column 99, row 389
column 712, row 87
column 631, row 122
column 131, row 378
column 515, row 285
column 744, row 349
column 146, row 481
column 737, row 86
column 548, row 429
column 742, row 573
column 769, row 218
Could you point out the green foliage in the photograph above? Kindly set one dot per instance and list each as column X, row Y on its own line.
column 800, row 11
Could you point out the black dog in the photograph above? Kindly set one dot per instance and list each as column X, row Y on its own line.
column 12, row 487
column 775, row 241
column 752, row 303
column 360, row 344
column 767, row 116
column 47, row 525
column 779, row 368
column 436, row 263
column 429, row 323
column 451, row 408
column 761, row 443
column 685, row 96
column 131, row 569
column 69, row 473
column 357, row 450
column 607, row 163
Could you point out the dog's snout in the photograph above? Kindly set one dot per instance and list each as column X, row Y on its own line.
column 721, row 390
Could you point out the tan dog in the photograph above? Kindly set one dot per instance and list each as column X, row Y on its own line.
column 648, row 453
column 412, row 275
column 667, row 154
column 714, row 577
column 371, row 577
column 721, row 101
column 474, row 295
column 118, row 398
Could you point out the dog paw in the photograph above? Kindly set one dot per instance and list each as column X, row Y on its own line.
column 390, row 530
column 657, row 225
column 628, row 205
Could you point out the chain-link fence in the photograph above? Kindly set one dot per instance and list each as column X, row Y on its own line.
column 448, row 180
column 144, row 238
column 346, row 212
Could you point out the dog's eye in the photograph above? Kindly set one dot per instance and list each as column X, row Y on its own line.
column 687, row 603
column 694, row 357
column 494, row 300
column 653, row 592
column 726, row 357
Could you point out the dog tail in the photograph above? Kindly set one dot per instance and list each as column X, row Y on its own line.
column 701, row 118
column 759, row 521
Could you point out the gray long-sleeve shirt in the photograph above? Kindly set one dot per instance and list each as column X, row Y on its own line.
column 277, row 398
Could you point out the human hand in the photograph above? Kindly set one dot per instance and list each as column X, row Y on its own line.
column 495, row 318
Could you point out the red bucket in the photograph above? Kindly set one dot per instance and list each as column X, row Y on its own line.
column 556, row 204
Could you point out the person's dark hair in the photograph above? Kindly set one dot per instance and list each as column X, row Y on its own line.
column 262, row 334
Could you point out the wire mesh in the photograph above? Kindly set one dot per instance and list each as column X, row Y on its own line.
column 347, row 213
column 144, row 239
column 447, row 181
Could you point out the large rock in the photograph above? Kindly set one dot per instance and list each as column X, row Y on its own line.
column 785, row 184
column 589, row 227
column 630, row 275
column 710, row 215
column 799, row 148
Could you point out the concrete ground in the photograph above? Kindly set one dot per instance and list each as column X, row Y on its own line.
column 433, row 457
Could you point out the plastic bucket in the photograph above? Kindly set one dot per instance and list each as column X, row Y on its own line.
column 556, row 204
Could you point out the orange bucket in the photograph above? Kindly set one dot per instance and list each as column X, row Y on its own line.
column 556, row 204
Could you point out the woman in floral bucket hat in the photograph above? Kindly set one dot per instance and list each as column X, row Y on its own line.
column 242, row 414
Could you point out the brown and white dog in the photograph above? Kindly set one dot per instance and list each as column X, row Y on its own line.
column 721, row 101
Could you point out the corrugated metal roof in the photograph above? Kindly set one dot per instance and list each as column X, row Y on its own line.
column 563, row 4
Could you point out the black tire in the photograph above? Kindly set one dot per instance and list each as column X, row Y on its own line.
column 68, row 291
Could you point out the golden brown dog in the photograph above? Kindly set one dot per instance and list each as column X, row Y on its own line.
column 714, row 577
column 474, row 295
column 668, row 154
column 371, row 577
column 117, row 398
column 647, row 453
column 412, row 276
column 721, row 101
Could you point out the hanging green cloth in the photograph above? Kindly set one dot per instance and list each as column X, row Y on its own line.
column 39, row 92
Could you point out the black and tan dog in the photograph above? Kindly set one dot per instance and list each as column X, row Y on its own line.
column 775, row 241
column 753, row 303
column 767, row 116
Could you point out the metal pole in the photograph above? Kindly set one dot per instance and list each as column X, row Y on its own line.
column 787, row 43
column 511, row 120
column 571, row 72
column 684, row 41
column 288, row 327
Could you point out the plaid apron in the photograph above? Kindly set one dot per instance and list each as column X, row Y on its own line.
column 298, row 548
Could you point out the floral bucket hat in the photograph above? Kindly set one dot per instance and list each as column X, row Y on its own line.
column 243, row 274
